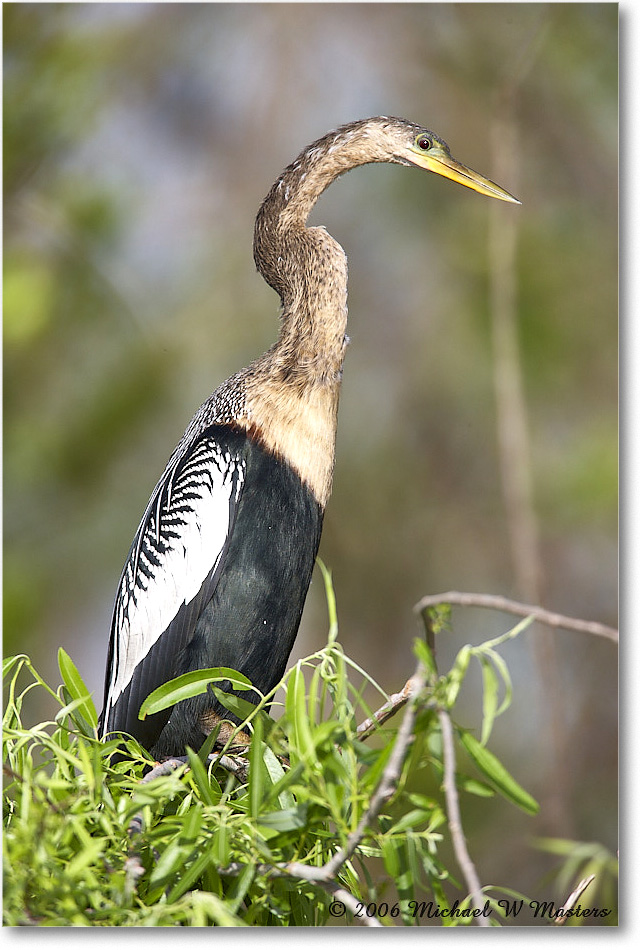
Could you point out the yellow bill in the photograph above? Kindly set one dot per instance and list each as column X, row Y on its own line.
column 438, row 159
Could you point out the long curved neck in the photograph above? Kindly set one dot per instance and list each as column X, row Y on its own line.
column 305, row 266
column 285, row 210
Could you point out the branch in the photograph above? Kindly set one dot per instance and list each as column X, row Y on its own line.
column 385, row 712
column 573, row 899
column 496, row 602
column 454, row 819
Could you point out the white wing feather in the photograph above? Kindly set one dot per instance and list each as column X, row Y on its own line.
column 178, row 545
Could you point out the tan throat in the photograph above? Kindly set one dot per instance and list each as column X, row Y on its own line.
column 298, row 424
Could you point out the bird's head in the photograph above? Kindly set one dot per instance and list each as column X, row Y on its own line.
column 405, row 143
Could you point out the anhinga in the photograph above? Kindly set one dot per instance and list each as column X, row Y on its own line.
column 220, row 566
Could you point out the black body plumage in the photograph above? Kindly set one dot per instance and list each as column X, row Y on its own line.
column 258, row 584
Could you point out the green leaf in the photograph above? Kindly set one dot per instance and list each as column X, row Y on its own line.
column 474, row 787
column 413, row 817
column 76, row 688
column 10, row 662
column 190, row 876
column 288, row 819
column 502, row 669
column 193, row 822
column 331, row 601
column 239, row 707
column 492, row 768
column 256, row 769
column 171, row 862
column 201, row 779
column 276, row 773
column 490, row 694
column 295, row 706
column 188, row 685
column 424, row 653
column 456, row 676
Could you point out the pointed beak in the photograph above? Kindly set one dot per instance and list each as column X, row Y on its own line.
column 438, row 160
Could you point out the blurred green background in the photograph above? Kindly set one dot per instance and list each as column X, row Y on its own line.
column 139, row 141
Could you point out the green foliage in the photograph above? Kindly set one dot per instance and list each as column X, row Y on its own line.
column 228, row 840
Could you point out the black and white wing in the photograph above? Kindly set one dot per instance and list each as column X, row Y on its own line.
column 171, row 573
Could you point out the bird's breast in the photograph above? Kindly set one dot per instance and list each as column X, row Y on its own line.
column 298, row 425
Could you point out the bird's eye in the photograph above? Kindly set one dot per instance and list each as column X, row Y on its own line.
column 423, row 142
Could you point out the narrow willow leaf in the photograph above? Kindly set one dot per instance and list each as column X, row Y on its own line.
column 190, row 876
column 424, row 653
column 276, row 773
column 188, row 685
column 193, row 822
column 10, row 662
column 76, row 688
column 256, row 769
column 413, row 817
column 456, row 676
column 442, row 900
column 171, row 862
column 490, row 694
column 511, row 634
column 243, row 884
column 295, row 707
column 240, row 707
column 390, row 853
column 289, row 819
column 90, row 852
column 221, row 842
column 502, row 669
column 475, row 787
column 331, row 601
column 492, row 768
column 315, row 712
column 200, row 777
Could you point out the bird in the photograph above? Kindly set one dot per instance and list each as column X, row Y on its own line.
column 219, row 568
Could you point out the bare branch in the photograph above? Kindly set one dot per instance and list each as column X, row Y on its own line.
column 454, row 819
column 385, row 712
column 166, row 767
column 353, row 905
column 497, row 602
column 573, row 899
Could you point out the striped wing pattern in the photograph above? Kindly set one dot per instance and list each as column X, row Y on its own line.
column 178, row 549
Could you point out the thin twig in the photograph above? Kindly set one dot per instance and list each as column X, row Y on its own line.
column 497, row 602
column 385, row 712
column 454, row 819
column 354, row 906
column 166, row 767
column 573, row 899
